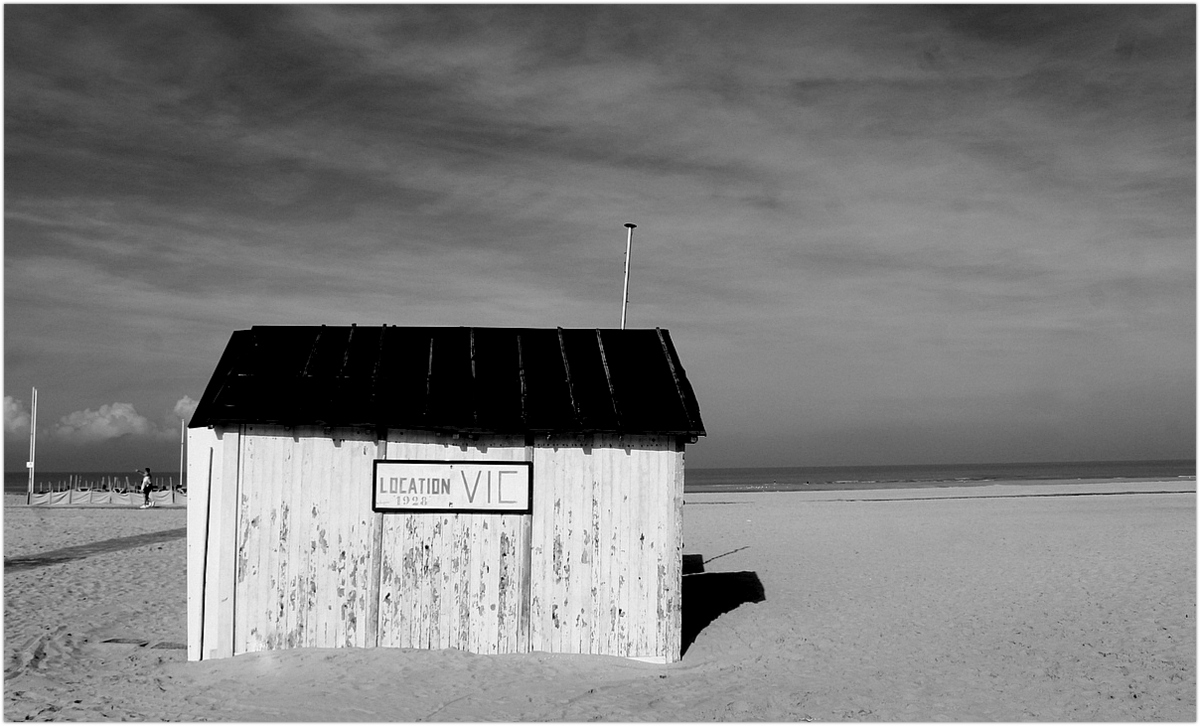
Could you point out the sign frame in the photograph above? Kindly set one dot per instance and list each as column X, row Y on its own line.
column 484, row 463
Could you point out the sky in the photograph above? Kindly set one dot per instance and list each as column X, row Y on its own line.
column 892, row 234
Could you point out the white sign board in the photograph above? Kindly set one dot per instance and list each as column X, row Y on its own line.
column 453, row 486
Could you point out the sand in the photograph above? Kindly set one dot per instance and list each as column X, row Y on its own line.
column 965, row 604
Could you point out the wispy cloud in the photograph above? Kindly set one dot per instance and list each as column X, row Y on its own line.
column 118, row 420
column 16, row 417
column 110, row 421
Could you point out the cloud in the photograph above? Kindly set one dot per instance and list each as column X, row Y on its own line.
column 185, row 407
column 110, row 421
column 16, row 417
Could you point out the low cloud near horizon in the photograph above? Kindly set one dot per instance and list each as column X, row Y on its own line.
column 106, row 423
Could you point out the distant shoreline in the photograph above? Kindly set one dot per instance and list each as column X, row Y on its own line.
column 821, row 478
column 887, row 485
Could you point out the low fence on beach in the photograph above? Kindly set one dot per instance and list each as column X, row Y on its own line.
column 78, row 490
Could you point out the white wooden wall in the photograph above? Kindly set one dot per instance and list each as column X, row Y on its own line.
column 284, row 550
column 608, row 547
column 304, row 535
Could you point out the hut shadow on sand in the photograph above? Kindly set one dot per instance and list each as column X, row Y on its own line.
column 707, row 596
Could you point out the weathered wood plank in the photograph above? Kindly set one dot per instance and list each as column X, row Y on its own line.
column 489, row 580
column 525, row 592
column 354, row 543
column 352, row 497
column 411, row 585
column 311, row 527
column 203, row 460
column 674, row 600
column 539, row 550
column 439, row 562
column 559, row 554
column 518, row 594
column 572, row 540
column 329, row 520
column 632, row 561
column 605, row 603
column 660, row 509
column 585, row 609
column 248, row 594
column 219, row 635
column 305, row 541
column 290, row 512
column 289, row 563
column 489, row 554
column 387, row 632
column 374, row 565
column 451, row 581
column 265, row 495
column 651, row 503
column 241, row 558
column 505, row 621
column 473, row 623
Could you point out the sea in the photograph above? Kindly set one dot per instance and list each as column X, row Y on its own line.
column 792, row 478
column 826, row 478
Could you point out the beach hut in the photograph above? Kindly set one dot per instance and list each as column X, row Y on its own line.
column 495, row 490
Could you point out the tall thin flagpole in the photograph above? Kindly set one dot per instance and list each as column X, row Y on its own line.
column 628, row 249
column 182, row 445
column 32, row 445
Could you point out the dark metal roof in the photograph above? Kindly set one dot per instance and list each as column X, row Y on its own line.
column 462, row 380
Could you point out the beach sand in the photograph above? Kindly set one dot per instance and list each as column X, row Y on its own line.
column 967, row 604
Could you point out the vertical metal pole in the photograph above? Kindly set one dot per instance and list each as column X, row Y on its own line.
column 182, row 448
column 32, row 445
column 628, row 249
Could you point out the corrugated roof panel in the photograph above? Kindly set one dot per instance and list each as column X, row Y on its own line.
column 589, row 381
column 350, row 391
column 548, row 399
column 213, row 404
column 402, row 380
column 687, row 396
column 641, row 377
column 451, row 385
column 314, row 388
column 497, row 384
column 497, row 380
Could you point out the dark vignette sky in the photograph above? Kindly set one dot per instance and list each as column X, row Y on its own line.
column 877, row 234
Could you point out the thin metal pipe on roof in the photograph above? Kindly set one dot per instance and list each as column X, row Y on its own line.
column 628, row 249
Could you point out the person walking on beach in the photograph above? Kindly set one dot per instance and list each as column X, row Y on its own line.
column 147, row 485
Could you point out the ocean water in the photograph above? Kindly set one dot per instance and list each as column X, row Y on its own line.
column 794, row 478
column 817, row 478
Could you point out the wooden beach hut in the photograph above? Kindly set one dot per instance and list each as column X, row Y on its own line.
column 495, row 490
